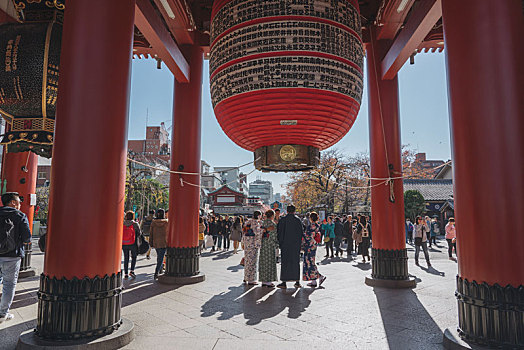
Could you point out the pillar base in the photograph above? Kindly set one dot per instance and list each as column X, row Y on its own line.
column 164, row 279
column 452, row 341
column 410, row 282
column 116, row 340
column 389, row 264
column 490, row 315
column 78, row 308
column 30, row 272
column 182, row 262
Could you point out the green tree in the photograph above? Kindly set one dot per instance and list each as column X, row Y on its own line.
column 42, row 202
column 414, row 204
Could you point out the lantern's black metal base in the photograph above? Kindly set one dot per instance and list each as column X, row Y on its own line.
column 124, row 335
column 491, row 315
column 390, row 269
column 165, row 279
column 452, row 341
column 78, row 308
column 286, row 158
column 182, row 262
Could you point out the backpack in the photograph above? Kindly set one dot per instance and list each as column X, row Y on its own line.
column 365, row 232
column 128, row 237
column 7, row 236
column 146, row 227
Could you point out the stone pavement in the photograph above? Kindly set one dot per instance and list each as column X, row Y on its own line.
column 221, row 313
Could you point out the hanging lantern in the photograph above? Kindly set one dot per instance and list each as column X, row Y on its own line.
column 286, row 76
column 30, row 62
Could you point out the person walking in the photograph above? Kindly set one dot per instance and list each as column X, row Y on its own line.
column 421, row 230
column 129, row 243
column 267, row 264
column 158, row 239
column 348, row 234
column 339, row 234
column 363, row 234
column 329, row 229
column 409, row 231
column 310, row 239
column 201, row 232
column 220, row 230
column 227, row 232
column 213, row 231
column 14, row 232
column 252, row 240
column 427, row 221
column 451, row 237
column 145, row 226
column 236, row 233
column 289, row 232
column 433, row 228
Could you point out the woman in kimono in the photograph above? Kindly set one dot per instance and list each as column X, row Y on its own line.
column 252, row 240
column 310, row 239
column 267, row 268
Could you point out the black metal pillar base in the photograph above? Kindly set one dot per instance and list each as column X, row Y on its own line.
column 75, row 309
column 182, row 266
column 410, row 282
column 390, row 269
column 491, row 315
column 124, row 335
column 452, row 341
column 25, row 266
column 27, row 273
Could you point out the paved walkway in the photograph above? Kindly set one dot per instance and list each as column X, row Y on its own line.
column 221, row 313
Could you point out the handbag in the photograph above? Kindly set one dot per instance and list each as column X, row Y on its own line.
column 208, row 241
column 318, row 237
column 143, row 245
column 326, row 239
column 418, row 241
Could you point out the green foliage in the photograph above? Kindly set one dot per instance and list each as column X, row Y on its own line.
column 42, row 202
column 146, row 194
column 414, row 204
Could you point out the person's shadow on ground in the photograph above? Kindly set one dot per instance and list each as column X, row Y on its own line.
column 257, row 303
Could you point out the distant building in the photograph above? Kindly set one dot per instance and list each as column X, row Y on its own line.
column 438, row 195
column 230, row 176
column 263, row 189
column 208, row 180
column 277, row 197
column 43, row 177
column 156, row 144
column 424, row 164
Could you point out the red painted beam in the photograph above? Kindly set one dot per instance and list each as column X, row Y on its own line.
column 391, row 17
column 177, row 19
column 151, row 25
column 422, row 19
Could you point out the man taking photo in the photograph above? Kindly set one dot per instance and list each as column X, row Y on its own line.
column 14, row 232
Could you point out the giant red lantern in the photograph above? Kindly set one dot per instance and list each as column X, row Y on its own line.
column 286, row 76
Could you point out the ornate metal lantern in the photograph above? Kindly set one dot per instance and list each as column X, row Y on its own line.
column 30, row 54
column 286, row 76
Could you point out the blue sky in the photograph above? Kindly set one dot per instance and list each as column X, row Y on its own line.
column 423, row 110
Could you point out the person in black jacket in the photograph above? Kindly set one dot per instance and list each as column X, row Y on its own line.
column 14, row 232
column 339, row 233
column 348, row 234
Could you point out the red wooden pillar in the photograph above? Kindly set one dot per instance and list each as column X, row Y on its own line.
column 183, row 253
column 485, row 64
column 80, row 289
column 389, row 254
column 19, row 172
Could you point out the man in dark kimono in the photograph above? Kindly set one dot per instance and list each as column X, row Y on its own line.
column 290, row 230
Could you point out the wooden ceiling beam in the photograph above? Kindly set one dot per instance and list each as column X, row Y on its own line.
column 422, row 19
column 152, row 27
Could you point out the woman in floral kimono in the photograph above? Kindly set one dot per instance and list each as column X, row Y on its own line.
column 251, row 239
column 310, row 239
column 267, row 264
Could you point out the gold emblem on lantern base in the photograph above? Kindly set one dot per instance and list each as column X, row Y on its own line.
column 288, row 153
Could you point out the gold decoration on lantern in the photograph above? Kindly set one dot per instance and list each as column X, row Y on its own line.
column 288, row 153
column 56, row 4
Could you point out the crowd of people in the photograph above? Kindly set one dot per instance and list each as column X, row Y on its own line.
column 267, row 237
